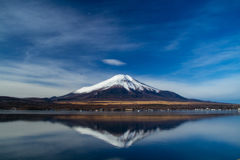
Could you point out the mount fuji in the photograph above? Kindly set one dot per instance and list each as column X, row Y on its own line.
column 120, row 87
column 120, row 80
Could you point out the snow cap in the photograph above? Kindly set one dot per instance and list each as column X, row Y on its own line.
column 121, row 80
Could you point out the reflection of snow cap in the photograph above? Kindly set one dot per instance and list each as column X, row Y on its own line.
column 123, row 140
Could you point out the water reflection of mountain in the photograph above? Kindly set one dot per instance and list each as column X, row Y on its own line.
column 117, row 130
column 124, row 134
column 121, row 140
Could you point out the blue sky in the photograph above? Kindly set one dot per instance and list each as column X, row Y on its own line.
column 52, row 47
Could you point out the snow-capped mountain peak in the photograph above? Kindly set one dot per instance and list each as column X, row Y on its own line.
column 119, row 80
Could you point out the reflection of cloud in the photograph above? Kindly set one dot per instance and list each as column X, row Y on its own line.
column 22, row 128
column 216, row 129
column 35, row 139
column 117, row 158
column 39, row 138
column 123, row 140
column 113, row 62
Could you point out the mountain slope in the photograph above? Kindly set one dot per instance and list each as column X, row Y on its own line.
column 120, row 87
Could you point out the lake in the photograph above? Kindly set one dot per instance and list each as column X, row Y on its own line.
column 182, row 135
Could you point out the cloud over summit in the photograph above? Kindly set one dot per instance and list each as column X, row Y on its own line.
column 113, row 62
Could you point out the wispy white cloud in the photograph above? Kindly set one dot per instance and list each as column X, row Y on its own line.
column 23, row 89
column 44, row 29
column 44, row 79
column 225, row 89
column 172, row 46
column 208, row 57
column 47, row 26
column 113, row 62
column 220, row 58
column 40, row 80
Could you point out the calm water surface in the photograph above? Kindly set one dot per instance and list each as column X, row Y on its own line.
column 213, row 135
